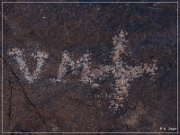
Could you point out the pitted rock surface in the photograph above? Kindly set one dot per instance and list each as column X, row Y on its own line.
column 89, row 67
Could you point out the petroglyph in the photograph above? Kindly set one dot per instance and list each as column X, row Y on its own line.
column 76, row 66
column 19, row 57
column 123, row 73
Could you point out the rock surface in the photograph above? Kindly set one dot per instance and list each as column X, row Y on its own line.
column 149, row 101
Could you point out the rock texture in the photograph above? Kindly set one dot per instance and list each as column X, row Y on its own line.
column 89, row 67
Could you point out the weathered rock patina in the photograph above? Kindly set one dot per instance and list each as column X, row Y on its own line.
column 89, row 67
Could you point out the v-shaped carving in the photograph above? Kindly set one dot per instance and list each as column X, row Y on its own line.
column 19, row 57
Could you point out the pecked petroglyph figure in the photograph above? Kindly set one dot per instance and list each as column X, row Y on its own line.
column 123, row 73
column 19, row 57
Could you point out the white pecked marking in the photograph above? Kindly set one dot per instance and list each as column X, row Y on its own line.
column 123, row 74
column 19, row 57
